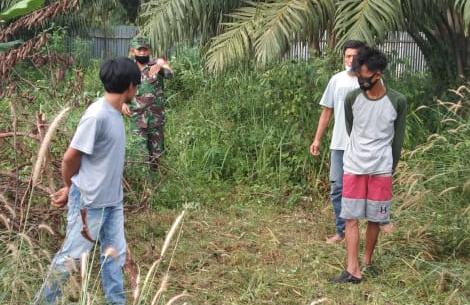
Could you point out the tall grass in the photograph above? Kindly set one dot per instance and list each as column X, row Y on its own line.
column 438, row 172
column 244, row 136
column 253, row 128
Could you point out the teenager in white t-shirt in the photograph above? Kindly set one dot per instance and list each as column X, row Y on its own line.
column 333, row 103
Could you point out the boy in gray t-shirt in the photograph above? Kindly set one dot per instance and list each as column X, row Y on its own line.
column 375, row 121
column 92, row 170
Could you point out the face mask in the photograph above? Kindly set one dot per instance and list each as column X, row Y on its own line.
column 347, row 68
column 142, row 59
column 366, row 83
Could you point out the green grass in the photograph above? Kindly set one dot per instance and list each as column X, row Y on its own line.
column 242, row 252
column 250, row 253
column 257, row 202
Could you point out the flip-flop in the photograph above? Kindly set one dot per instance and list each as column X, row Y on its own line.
column 346, row 277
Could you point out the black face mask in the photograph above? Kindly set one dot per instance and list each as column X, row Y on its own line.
column 366, row 83
column 142, row 59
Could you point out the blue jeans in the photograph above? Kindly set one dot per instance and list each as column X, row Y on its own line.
column 336, row 180
column 106, row 225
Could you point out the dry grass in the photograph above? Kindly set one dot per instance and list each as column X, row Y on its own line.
column 45, row 145
column 263, row 254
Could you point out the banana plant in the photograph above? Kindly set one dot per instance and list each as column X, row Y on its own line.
column 17, row 10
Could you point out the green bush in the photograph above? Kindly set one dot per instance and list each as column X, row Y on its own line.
column 254, row 128
column 244, row 126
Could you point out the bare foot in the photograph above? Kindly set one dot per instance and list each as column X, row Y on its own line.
column 387, row 228
column 334, row 239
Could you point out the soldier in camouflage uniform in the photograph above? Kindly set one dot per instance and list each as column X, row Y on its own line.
column 148, row 108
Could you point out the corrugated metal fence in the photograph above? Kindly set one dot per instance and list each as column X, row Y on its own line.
column 403, row 52
column 112, row 42
column 401, row 49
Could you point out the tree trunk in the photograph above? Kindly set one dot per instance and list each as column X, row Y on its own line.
column 314, row 45
column 441, row 39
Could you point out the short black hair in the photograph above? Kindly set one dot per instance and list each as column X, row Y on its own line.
column 118, row 74
column 374, row 59
column 353, row 44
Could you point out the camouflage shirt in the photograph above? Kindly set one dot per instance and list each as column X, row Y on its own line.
column 151, row 88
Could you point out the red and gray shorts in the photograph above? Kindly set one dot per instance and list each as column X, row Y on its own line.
column 366, row 197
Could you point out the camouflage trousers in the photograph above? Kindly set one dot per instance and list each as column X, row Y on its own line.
column 148, row 122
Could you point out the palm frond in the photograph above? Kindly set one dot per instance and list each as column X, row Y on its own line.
column 38, row 17
column 4, row 4
column 20, row 9
column 281, row 22
column 420, row 11
column 463, row 6
column 91, row 14
column 367, row 20
column 167, row 22
column 236, row 42
column 5, row 46
column 163, row 21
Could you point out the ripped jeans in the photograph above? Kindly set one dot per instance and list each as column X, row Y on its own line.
column 106, row 225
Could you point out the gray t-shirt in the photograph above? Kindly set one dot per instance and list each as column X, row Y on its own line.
column 101, row 137
column 334, row 96
column 376, row 129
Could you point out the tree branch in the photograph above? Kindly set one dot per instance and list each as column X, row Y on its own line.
column 18, row 133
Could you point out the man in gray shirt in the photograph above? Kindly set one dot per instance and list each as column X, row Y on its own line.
column 92, row 170
column 332, row 103
column 375, row 121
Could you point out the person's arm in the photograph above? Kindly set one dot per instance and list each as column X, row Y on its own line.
column 70, row 166
column 161, row 67
column 166, row 70
column 400, row 127
column 126, row 110
column 83, row 142
column 327, row 103
column 348, row 112
column 323, row 122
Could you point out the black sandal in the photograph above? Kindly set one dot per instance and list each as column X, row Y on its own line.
column 346, row 277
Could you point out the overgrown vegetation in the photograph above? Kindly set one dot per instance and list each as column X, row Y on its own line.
column 237, row 159
column 233, row 31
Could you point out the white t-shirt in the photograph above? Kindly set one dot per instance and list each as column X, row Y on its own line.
column 101, row 137
column 334, row 96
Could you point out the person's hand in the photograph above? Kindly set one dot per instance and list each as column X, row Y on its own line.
column 315, row 149
column 125, row 110
column 60, row 198
column 160, row 64
column 165, row 65
column 154, row 69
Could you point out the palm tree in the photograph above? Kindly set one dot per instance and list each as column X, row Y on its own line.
column 234, row 30
column 439, row 27
column 33, row 17
column 168, row 22
column 131, row 8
